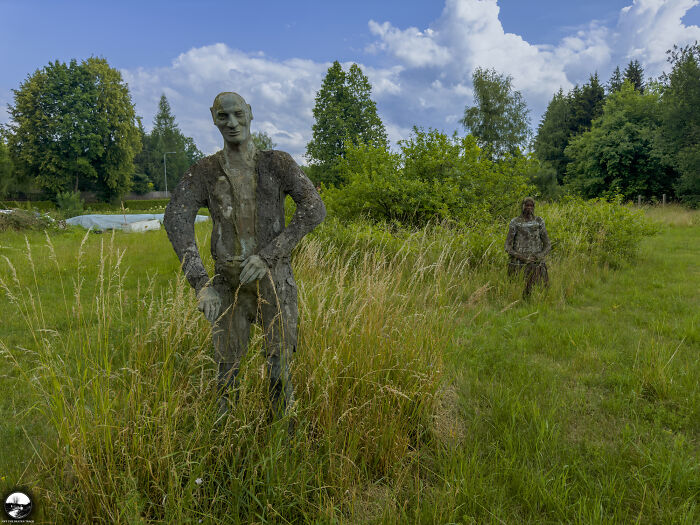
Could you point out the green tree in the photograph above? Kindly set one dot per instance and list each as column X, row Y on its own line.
column 553, row 134
column 680, row 121
column 166, row 138
column 499, row 119
column 73, row 127
column 344, row 113
column 618, row 155
column 616, row 80
column 567, row 116
column 634, row 74
column 586, row 104
column 435, row 177
column 6, row 172
column 263, row 141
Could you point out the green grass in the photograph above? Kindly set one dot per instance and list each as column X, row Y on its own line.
column 428, row 391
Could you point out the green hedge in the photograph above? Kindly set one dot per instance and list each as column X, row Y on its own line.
column 129, row 205
column 28, row 205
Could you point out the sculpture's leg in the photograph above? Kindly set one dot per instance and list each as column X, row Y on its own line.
column 230, row 337
column 280, row 317
column 530, row 279
column 535, row 273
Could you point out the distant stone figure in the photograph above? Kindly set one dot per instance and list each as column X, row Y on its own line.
column 528, row 244
column 245, row 190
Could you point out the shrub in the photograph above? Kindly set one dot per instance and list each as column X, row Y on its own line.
column 605, row 232
column 20, row 220
column 433, row 178
column 70, row 203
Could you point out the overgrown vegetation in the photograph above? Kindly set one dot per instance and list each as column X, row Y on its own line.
column 415, row 393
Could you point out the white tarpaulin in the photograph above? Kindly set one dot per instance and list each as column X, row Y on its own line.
column 119, row 222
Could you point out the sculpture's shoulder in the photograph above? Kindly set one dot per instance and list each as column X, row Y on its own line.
column 276, row 161
column 540, row 221
column 205, row 164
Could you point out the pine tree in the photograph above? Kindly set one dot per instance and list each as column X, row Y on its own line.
column 586, row 104
column 344, row 111
column 634, row 73
column 615, row 82
column 362, row 114
column 166, row 139
column 553, row 134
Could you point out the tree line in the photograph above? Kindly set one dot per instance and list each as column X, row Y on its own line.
column 74, row 128
column 632, row 137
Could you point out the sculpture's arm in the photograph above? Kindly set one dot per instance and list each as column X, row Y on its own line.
column 544, row 237
column 188, row 196
column 510, row 240
column 310, row 210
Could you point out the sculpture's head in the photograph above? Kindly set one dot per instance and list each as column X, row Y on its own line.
column 528, row 206
column 232, row 115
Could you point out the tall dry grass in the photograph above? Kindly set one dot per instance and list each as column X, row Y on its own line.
column 128, row 386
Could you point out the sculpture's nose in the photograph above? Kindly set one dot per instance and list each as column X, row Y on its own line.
column 232, row 121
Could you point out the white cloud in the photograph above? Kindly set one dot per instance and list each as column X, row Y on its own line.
column 439, row 60
column 425, row 73
column 416, row 48
column 281, row 93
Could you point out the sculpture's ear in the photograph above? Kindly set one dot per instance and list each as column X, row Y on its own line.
column 213, row 117
column 250, row 111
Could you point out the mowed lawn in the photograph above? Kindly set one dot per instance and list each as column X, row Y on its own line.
column 578, row 407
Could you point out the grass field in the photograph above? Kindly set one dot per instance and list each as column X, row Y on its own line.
column 428, row 392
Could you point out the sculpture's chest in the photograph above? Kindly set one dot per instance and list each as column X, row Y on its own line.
column 527, row 235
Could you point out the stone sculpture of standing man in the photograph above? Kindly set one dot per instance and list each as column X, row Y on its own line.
column 528, row 244
column 245, row 190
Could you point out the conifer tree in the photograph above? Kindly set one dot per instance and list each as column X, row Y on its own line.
column 344, row 112
column 164, row 138
column 553, row 134
column 634, row 73
column 615, row 82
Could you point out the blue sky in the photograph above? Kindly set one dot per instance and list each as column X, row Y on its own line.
column 419, row 55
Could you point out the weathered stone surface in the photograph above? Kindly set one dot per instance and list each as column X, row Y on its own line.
column 244, row 190
column 528, row 244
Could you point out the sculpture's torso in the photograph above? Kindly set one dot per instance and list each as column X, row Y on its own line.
column 240, row 205
column 528, row 235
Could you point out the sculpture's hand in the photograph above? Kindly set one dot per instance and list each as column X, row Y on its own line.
column 254, row 268
column 209, row 302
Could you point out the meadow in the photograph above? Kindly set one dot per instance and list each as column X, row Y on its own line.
column 427, row 390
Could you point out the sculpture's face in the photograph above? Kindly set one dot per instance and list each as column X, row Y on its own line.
column 232, row 117
column 529, row 208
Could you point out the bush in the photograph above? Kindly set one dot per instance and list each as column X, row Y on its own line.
column 21, row 220
column 70, row 203
column 146, row 204
column 604, row 232
column 434, row 178
column 28, row 205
